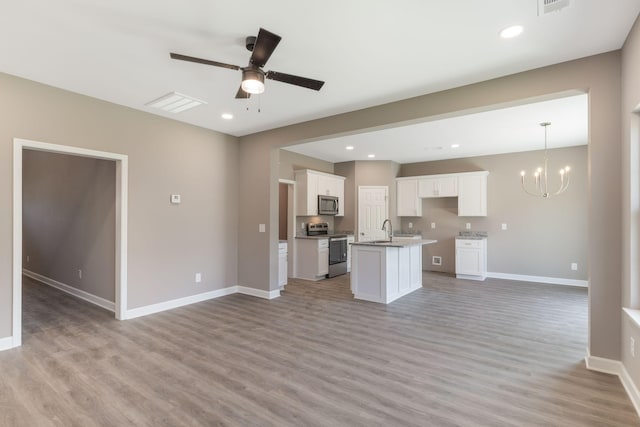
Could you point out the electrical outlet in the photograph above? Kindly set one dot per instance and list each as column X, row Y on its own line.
column 574, row 266
column 261, row 228
column 436, row 260
column 433, row 225
column 302, row 225
column 198, row 277
column 468, row 226
column 410, row 225
column 504, row 226
column 28, row 259
column 632, row 346
column 79, row 274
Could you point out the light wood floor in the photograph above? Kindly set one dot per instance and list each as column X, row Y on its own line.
column 455, row 352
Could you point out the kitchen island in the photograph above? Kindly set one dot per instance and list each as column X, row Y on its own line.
column 383, row 271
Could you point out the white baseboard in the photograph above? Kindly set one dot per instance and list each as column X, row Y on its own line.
column 7, row 343
column 540, row 279
column 615, row 367
column 78, row 293
column 180, row 302
column 258, row 292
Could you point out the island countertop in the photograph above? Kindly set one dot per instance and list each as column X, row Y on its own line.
column 396, row 243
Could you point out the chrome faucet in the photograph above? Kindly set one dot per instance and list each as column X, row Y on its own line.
column 390, row 231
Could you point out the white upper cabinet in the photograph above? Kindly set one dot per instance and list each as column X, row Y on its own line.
column 438, row 186
column 310, row 184
column 469, row 187
column 407, row 201
column 472, row 194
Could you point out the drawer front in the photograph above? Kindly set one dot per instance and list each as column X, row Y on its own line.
column 472, row 244
column 323, row 243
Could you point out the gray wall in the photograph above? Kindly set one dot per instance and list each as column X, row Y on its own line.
column 68, row 211
column 599, row 76
column 543, row 236
column 167, row 243
column 631, row 197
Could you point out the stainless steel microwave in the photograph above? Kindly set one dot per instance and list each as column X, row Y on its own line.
column 328, row 205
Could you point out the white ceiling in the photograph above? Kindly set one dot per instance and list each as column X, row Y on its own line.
column 368, row 52
column 498, row 131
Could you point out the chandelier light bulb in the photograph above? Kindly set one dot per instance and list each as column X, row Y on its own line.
column 522, row 173
column 541, row 176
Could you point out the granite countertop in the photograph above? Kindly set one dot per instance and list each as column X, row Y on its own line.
column 400, row 243
column 472, row 235
column 407, row 235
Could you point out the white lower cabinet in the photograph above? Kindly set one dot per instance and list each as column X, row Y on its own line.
column 283, row 264
column 471, row 259
column 312, row 258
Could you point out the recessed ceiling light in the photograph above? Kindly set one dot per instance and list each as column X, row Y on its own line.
column 349, row 147
column 455, row 145
column 227, row 116
column 371, row 156
column 512, row 31
column 175, row 102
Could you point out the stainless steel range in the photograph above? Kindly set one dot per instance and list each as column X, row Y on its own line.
column 337, row 248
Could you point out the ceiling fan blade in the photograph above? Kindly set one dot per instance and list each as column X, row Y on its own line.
column 241, row 94
column 295, row 80
column 264, row 47
column 202, row 61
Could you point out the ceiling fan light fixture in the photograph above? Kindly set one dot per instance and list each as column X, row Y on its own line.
column 252, row 80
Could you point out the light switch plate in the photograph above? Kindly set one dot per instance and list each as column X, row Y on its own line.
column 504, row 226
column 433, row 225
column 261, row 228
column 175, row 199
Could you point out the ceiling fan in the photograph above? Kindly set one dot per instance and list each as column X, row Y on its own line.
column 253, row 75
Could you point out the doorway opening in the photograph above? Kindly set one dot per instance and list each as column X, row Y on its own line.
column 120, row 211
column 287, row 227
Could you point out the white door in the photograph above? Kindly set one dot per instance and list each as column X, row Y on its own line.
column 373, row 209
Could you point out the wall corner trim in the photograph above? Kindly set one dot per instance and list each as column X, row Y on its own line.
column 633, row 314
column 7, row 343
column 540, row 279
column 258, row 292
column 615, row 367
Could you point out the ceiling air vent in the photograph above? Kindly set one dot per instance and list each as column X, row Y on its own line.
column 548, row 6
column 175, row 102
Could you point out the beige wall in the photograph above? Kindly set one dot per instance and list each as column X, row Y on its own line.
column 167, row 243
column 543, row 236
column 631, row 197
column 288, row 162
column 69, row 222
column 597, row 75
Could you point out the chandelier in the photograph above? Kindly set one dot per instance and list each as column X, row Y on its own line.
column 540, row 176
